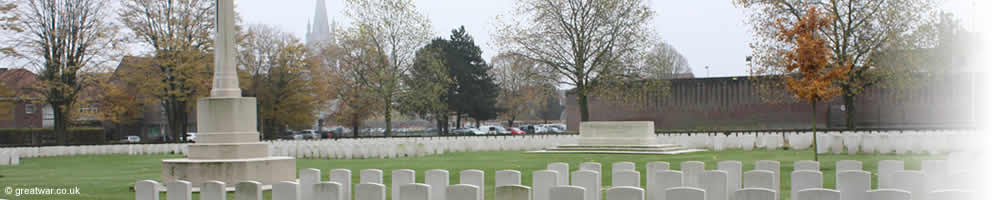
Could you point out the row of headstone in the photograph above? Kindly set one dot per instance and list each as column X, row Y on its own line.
column 411, row 147
column 9, row 158
column 129, row 149
column 884, row 142
column 727, row 182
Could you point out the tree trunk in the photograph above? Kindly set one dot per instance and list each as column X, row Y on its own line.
column 59, row 114
column 510, row 123
column 458, row 120
column 815, row 142
column 388, row 119
column 581, row 101
column 356, row 124
column 849, row 104
column 477, row 123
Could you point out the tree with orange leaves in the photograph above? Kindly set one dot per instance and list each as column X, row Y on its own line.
column 809, row 72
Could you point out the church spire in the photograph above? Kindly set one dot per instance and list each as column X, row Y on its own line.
column 320, row 29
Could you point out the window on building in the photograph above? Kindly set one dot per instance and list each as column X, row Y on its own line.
column 29, row 108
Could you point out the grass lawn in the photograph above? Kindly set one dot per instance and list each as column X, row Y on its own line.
column 111, row 176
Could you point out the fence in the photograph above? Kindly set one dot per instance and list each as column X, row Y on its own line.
column 937, row 179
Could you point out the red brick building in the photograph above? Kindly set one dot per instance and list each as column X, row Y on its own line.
column 25, row 108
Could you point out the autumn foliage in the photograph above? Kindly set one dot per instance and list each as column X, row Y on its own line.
column 810, row 74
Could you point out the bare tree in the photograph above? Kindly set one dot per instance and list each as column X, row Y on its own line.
column 522, row 84
column 665, row 62
column 282, row 74
column 585, row 42
column 64, row 38
column 395, row 31
column 179, row 32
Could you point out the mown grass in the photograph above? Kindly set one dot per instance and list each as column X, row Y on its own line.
column 111, row 176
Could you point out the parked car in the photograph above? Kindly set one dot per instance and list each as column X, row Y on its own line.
column 469, row 131
column 555, row 128
column 132, row 139
column 534, row 129
column 515, row 131
column 190, row 136
column 494, row 130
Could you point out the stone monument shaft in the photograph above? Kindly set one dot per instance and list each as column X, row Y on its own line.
column 225, row 83
column 228, row 146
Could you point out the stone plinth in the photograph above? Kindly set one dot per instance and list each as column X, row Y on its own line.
column 228, row 148
column 618, row 137
column 267, row 171
column 617, row 133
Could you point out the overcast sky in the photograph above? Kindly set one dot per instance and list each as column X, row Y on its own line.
column 708, row 32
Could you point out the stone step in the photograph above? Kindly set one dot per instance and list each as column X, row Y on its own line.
column 621, row 146
column 625, row 152
column 614, row 149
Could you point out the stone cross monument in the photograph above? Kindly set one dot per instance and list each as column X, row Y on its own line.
column 228, row 146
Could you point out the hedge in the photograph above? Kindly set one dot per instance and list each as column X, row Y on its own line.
column 24, row 136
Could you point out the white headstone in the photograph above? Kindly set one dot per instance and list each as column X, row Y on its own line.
column 541, row 182
column 414, row 191
column 285, row 190
column 625, row 178
column 692, row 169
column 249, row 190
column 773, row 166
column 888, row 194
column 507, row 177
column 714, row 184
column 15, row 159
column 592, row 166
column 567, row 192
column 328, row 191
column 626, row 193
column 589, row 180
column 847, row 165
column 371, row 176
column 512, row 192
column 805, row 179
column 754, row 194
column 369, row 191
column 342, row 176
column 308, row 178
column 886, row 169
column 462, row 192
column 683, row 193
column 652, row 167
column 950, row 195
column 401, row 177
column 936, row 172
column 438, row 180
column 147, row 190
column 178, row 190
column 913, row 181
column 213, row 190
column 734, row 173
column 563, row 170
column 473, row 177
column 819, row 194
column 854, row 185
column 622, row 166
column 664, row 179
column 759, row 179
column 806, row 165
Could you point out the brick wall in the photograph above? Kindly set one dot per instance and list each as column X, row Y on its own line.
column 736, row 103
